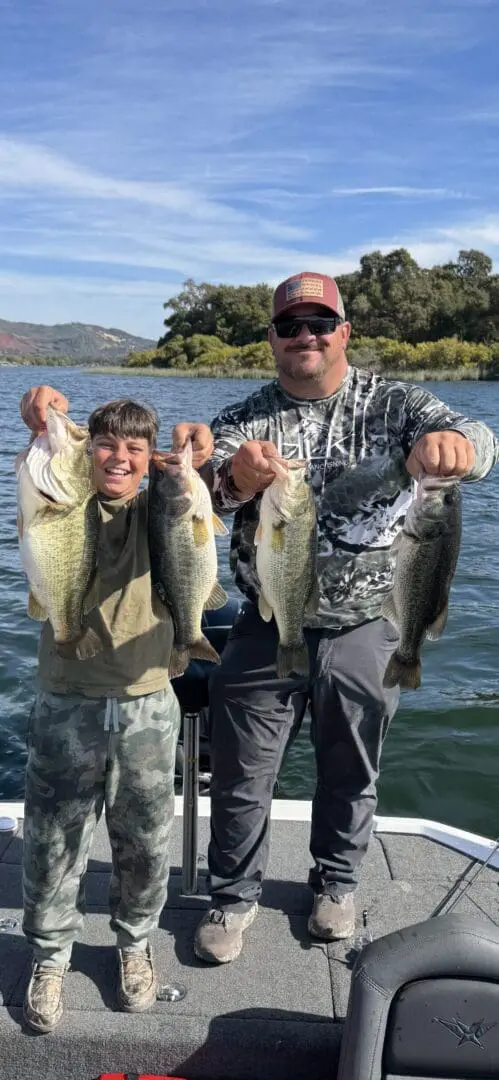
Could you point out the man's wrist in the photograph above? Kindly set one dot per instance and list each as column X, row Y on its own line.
column 231, row 487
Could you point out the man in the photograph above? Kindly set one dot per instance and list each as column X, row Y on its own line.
column 365, row 439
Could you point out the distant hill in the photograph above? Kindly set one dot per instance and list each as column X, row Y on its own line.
column 75, row 341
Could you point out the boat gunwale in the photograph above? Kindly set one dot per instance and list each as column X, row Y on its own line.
column 300, row 810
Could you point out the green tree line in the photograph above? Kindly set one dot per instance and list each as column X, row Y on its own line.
column 404, row 317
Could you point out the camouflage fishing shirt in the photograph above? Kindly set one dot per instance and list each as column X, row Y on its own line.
column 356, row 442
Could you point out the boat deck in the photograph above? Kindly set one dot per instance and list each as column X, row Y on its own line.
column 275, row 1012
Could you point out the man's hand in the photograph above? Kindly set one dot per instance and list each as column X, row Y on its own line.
column 251, row 471
column 441, row 453
column 202, row 441
column 34, row 406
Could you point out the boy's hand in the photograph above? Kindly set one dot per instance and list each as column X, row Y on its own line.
column 34, row 406
column 202, row 441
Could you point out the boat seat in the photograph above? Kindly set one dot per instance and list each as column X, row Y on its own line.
column 192, row 687
column 424, row 1003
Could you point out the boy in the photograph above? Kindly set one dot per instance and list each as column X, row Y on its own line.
column 103, row 733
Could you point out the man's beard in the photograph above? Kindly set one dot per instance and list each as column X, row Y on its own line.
column 290, row 361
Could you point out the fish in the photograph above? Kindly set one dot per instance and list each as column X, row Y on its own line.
column 286, row 562
column 58, row 528
column 427, row 551
column 183, row 554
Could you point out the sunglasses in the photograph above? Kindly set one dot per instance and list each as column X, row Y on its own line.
column 316, row 324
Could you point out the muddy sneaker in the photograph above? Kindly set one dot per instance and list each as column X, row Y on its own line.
column 137, row 983
column 333, row 917
column 219, row 936
column 42, row 1009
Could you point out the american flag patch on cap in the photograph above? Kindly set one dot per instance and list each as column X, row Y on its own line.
column 305, row 286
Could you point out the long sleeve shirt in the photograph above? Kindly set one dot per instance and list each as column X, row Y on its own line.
column 356, row 442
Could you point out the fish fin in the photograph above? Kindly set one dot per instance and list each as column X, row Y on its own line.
column 264, row 608
column 278, row 534
column 217, row 598
column 397, row 542
column 200, row 531
column 292, row 659
column 403, row 673
column 35, row 609
column 203, row 650
column 313, row 599
column 159, row 608
column 85, row 646
column 89, row 644
column 258, row 534
column 388, row 610
column 218, row 526
column 182, row 654
column 92, row 599
column 179, row 659
column 438, row 625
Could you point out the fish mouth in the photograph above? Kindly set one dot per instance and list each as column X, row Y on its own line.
column 162, row 459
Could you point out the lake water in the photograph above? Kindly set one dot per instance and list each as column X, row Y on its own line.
column 441, row 758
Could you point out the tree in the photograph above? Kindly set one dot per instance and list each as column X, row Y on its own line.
column 388, row 296
column 237, row 315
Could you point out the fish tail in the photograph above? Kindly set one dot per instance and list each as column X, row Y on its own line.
column 197, row 650
column 85, row 646
column 179, row 660
column 292, row 659
column 403, row 673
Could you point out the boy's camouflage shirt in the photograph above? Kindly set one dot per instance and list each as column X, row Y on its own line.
column 356, row 443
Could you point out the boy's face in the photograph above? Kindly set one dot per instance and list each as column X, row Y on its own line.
column 119, row 465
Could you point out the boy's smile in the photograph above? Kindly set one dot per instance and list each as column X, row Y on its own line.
column 119, row 464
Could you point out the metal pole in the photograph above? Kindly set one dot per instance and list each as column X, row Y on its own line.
column 190, row 793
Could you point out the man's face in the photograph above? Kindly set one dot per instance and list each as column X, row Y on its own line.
column 308, row 354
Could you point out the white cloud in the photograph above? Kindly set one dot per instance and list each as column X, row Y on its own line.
column 31, row 166
column 402, row 192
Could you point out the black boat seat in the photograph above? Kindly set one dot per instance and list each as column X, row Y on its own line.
column 192, row 687
column 424, row 1003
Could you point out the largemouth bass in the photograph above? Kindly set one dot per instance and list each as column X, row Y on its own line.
column 286, row 547
column 58, row 527
column 427, row 552
column 183, row 553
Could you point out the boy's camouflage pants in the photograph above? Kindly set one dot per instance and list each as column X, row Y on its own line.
column 85, row 754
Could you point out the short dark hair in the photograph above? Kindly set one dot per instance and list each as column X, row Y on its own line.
column 125, row 419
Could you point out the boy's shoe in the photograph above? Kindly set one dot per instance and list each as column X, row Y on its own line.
column 333, row 917
column 43, row 1008
column 219, row 936
column 137, row 982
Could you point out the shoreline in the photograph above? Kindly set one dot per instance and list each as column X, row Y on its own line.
column 445, row 375
column 468, row 374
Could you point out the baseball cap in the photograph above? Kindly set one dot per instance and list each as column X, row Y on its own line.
column 307, row 288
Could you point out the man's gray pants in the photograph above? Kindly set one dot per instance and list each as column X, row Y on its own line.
column 253, row 717
column 85, row 754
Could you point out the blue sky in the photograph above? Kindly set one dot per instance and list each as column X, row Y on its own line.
column 146, row 141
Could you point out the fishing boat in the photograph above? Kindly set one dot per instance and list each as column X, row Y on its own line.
column 417, row 988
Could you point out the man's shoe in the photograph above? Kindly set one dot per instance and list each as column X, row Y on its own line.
column 43, row 1008
column 137, row 983
column 219, row 936
column 333, row 917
